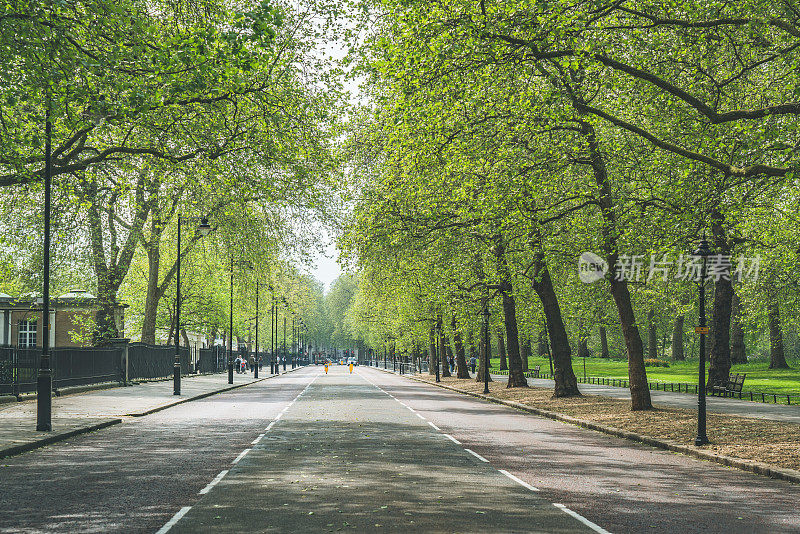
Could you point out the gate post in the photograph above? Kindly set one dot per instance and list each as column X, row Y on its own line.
column 121, row 344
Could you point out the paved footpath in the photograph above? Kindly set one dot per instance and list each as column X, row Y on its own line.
column 759, row 410
column 83, row 412
column 347, row 456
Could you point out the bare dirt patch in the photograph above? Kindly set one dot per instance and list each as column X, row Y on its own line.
column 774, row 443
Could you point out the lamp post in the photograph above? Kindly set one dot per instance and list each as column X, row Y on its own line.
column 284, row 338
column 272, row 336
column 703, row 250
column 486, row 350
column 436, row 349
column 230, row 333
column 255, row 360
column 204, row 229
column 44, row 379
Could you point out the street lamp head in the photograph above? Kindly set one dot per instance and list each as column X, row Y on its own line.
column 204, row 228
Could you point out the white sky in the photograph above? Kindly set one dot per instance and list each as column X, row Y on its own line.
column 325, row 269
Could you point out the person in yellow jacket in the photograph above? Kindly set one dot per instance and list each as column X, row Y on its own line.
column 326, row 368
column 351, row 368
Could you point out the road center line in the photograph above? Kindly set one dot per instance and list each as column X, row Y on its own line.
column 175, row 519
column 518, row 481
column 579, row 517
column 213, row 483
column 451, row 438
column 269, row 426
column 418, row 415
column 434, row 426
column 241, row 455
column 476, row 455
column 255, row 441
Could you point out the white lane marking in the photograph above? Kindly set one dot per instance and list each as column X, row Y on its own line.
column 579, row 517
column 236, row 461
column 518, row 481
column 213, row 483
column 175, row 519
column 269, row 426
column 476, row 455
column 277, row 417
column 412, row 409
column 418, row 415
column 434, row 426
column 451, row 438
column 255, row 441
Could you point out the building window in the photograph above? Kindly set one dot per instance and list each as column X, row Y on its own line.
column 27, row 334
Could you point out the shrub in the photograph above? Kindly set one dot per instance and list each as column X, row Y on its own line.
column 652, row 362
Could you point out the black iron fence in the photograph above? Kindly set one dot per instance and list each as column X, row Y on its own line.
column 84, row 366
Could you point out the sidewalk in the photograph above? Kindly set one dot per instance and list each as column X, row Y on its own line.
column 92, row 410
column 729, row 406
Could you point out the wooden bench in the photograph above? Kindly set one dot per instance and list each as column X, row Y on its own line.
column 730, row 388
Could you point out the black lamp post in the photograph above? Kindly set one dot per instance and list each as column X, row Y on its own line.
column 702, row 439
column 44, row 379
column 284, row 339
column 272, row 335
column 255, row 360
column 204, row 229
column 436, row 348
column 486, row 350
column 230, row 334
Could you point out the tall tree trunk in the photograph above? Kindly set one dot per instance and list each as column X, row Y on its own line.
column 462, row 371
column 637, row 374
column 677, row 339
column 516, row 377
column 738, row 351
column 432, row 351
column 442, row 349
column 566, row 384
column 652, row 337
column 720, row 358
column 777, row 359
column 604, row 343
column 501, row 349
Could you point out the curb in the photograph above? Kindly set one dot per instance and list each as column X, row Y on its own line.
column 25, row 447
column 759, row 468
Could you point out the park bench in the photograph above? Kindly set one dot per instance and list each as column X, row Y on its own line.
column 535, row 372
column 730, row 387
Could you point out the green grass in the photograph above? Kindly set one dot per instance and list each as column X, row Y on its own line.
column 759, row 376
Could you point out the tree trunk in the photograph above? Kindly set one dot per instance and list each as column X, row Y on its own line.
column 566, row 384
column 516, row 377
column 501, row 349
column 652, row 337
column 777, row 359
column 484, row 351
column 445, row 367
column 677, row 339
column 462, row 371
column 637, row 374
column 720, row 357
column 432, row 351
column 738, row 351
column 604, row 343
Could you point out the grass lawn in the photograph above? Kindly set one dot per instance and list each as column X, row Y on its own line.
column 759, row 376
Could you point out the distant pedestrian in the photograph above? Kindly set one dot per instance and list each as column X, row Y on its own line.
column 452, row 364
column 472, row 362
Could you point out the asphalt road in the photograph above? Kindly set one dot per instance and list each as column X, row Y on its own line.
column 309, row 452
column 348, row 457
column 134, row 476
